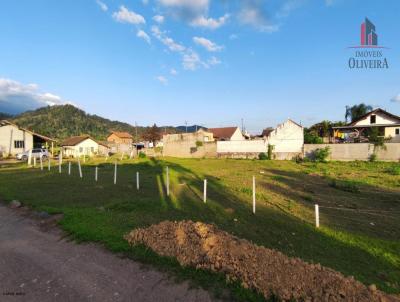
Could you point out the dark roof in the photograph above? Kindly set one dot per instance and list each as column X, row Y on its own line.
column 74, row 140
column 223, row 133
column 267, row 131
column 378, row 110
column 122, row 134
column 5, row 122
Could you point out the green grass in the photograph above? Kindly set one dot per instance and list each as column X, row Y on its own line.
column 359, row 236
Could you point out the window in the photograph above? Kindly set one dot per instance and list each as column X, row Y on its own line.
column 373, row 119
column 80, row 149
column 92, row 149
column 397, row 131
column 19, row 144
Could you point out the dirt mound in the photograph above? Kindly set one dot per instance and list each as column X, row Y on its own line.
column 267, row 271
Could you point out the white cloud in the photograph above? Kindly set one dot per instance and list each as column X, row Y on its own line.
column 191, row 61
column 126, row 16
column 163, row 80
column 167, row 41
column 213, row 61
column 207, row 44
column 173, row 72
column 209, row 23
column 145, row 2
column 102, row 5
column 143, row 35
column 159, row 19
column 16, row 97
column 396, row 99
column 252, row 14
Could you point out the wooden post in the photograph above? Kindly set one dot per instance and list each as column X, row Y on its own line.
column 317, row 216
column 34, row 161
column 52, row 149
column 80, row 168
column 41, row 163
column 96, row 173
column 115, row 173
column 137, row 181
column 167, row 181
column 254, row 194
column 69, row 168
column 205, row 191
column 49, row 163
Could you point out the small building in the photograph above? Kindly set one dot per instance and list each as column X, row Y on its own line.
column 120, row 138
column 227, row 134
column 15, row 139
column 76, row 146
column 386, row 124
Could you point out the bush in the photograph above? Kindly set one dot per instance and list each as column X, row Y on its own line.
column 263, row 156
column 373, row 157
column 199, row 144
column 321, row 154
column 270, row 149
column 312, row 139
column 345, row 185
column 142, row 154
column 395, row 170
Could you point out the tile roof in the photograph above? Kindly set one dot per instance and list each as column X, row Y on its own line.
column 74, row 140
column 122, row 134
column 223, row 133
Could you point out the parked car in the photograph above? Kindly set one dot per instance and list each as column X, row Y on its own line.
column 37, row 152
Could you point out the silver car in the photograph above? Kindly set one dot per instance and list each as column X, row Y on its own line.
column 37, row 152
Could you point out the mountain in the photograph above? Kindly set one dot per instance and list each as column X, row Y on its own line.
column 5, row 116
column 66, row 120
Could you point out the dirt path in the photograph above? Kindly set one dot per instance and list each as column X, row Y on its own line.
column 41, row 266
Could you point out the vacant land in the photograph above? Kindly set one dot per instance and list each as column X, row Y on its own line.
column 359, row 209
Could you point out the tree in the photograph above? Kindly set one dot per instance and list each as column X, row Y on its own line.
column 355, row 112
column 152, row 134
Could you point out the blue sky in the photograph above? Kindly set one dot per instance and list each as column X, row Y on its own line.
column 209, row 62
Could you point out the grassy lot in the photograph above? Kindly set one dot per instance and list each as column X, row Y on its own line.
column 359, row 209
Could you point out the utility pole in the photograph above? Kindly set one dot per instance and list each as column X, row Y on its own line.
column 242, row 126
column 186, row 125
column 136, row 138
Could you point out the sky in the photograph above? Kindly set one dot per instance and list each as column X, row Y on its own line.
column 204, row 62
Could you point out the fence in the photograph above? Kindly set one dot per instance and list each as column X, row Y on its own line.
column 362, row 151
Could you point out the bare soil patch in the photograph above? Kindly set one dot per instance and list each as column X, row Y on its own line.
column 267, row 271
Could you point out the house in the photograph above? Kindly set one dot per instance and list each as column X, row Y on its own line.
column 15, row 139
column 120, row 138
column 386, row 124
column 227, row 134
column 286, row 140
column 76, row 146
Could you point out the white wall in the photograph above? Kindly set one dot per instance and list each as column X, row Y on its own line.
column 288, row 137
column 380, row 119
column 87, row 147
column 9, row 134
column 256, row 146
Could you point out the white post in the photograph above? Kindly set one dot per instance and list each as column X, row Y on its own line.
column 59, row 162
column 96, row 173
column 41, row 163
column 167, row 181
column 254, row 194
column 34, row 161
column 49, row 163
column 84, row 158
column 137, row 180
column 69, row 168
column 317, row 216
column 80, row 168
column 30, row 158
column 115, row 173
column 122, row 155
column 205, row 191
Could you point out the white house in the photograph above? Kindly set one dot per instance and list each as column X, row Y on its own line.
column 76, row 146
column 14, row 139
column 387, row 125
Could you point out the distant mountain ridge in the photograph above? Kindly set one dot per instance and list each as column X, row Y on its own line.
column 66, row 120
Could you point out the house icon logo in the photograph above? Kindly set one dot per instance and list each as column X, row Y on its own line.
column 369, row 36
column 368, row 55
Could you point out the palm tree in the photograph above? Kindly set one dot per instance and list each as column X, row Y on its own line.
column 355, row 112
